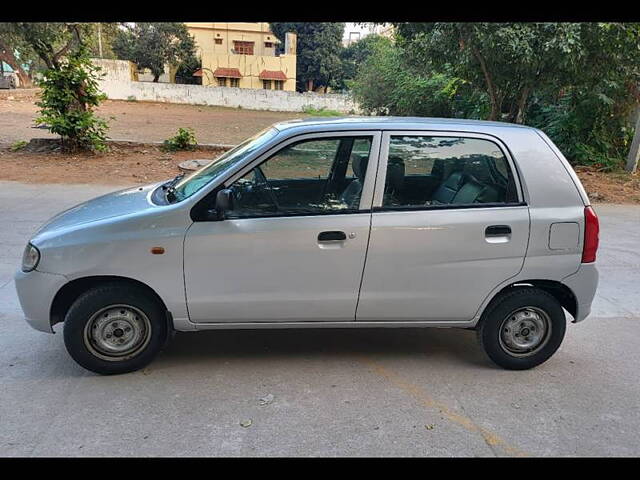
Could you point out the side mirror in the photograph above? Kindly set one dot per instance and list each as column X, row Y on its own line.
column 224, row 202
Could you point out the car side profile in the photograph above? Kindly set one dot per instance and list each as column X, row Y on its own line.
column 338, row 222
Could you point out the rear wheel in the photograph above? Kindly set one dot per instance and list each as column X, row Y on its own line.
column 115, row 328
column 522, row 328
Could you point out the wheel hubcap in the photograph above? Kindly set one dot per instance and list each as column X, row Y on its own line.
column 525, row 331
column 117, row 332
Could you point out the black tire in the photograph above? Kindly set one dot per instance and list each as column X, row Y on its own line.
column 135, row 299
column 499, row 312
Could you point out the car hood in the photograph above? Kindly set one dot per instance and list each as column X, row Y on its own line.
column 115, row 204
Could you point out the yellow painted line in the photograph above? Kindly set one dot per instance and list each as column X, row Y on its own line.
column 416, row 392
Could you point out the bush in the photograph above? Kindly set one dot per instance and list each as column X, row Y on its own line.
column 68, row 97
column 320, row 112
column 589, row 126
column 185, row 139
column 19, row 145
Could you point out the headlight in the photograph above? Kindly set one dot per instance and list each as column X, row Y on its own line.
column 30, row 258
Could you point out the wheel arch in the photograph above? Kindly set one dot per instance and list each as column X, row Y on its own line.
column 69, row 292
column 561, row 292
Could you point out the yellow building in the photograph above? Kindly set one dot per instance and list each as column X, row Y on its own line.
column 244, row 55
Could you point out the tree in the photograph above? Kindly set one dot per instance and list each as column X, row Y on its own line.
column 15, row 52
column 576, row 81
column 69, row 84
column 185, row 71
column 354, row 56
column 153, row 45
column 100, row 41
column 318, row 52
column 506, row 60
column 387, row 84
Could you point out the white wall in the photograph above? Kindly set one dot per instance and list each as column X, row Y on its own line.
column 117, row 84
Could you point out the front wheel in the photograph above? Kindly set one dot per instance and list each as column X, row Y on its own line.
column 522, row 328
column 115, row 328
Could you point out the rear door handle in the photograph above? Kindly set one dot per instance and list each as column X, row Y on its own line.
column 497, row 231
column 331, row 236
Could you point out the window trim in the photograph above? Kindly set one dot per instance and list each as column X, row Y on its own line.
column 366, row 197
column 382, row 171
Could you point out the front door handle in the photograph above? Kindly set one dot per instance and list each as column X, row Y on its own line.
column 331, row 236
column 497, row 231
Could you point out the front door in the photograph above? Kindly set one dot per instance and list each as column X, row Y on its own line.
column 436, row 253
column 294, row 245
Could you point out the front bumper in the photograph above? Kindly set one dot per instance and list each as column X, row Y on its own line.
column 36, row 291
column 583, row 284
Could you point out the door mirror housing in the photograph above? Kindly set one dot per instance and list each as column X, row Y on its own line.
column 224, row 202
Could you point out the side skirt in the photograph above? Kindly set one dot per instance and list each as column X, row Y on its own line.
column 351, row 324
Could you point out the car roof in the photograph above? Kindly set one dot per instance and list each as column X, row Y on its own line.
column 393, row 123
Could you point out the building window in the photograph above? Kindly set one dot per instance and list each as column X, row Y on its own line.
column 222, row 81
column 279, row 84
column 266, row 84
column 218, row 41
column 234, row 82
column 268, row 44
column 243, row 48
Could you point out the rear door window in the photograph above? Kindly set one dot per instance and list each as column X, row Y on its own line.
column 426, row 171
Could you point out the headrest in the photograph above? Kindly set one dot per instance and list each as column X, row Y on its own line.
column 478, row 169
column 395, row 173
column 359, row 165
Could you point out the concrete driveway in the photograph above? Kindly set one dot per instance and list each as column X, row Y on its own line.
column 406, row 392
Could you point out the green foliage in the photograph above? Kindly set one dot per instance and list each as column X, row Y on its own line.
column 185, row 139
column 354, row 56
column 19, row 145
column 69, row 94
column 318, row 51
column 185, row 71
column 587, row 126
column 153, row 45
column 320, row 112
column 387, row 84
column 578, row 82
column 132, row 98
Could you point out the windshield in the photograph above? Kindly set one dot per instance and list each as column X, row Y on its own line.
column 190, row 184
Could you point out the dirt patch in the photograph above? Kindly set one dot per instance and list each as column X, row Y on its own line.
column 143, row 121
column 120, row 166
column 603, row 187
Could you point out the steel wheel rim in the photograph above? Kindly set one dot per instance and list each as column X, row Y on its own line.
column 117, row 332
column 525, row 331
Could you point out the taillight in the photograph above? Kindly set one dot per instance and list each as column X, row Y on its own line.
column 591, row 230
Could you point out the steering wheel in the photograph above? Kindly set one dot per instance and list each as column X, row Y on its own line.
column 263, row 179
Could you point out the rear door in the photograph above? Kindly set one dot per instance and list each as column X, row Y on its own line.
column 435, row 260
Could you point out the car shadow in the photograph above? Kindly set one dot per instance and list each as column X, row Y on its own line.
column 448, row 345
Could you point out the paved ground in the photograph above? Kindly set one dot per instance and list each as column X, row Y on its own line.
column 143, row 121
column 336, row 392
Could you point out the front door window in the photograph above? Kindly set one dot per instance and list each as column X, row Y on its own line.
column 305, row 178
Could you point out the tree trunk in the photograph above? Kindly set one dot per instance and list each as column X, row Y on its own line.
column 155, row 78
column 310, row 85
column 522, row 104
column 6, row 55
column 634, row 151
column 496, row 104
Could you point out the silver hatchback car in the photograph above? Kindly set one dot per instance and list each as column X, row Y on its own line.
column 349, row 222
